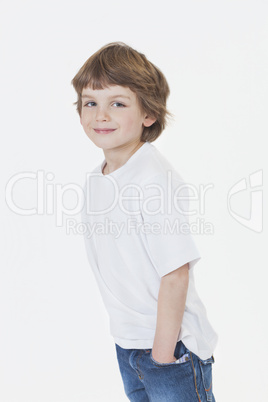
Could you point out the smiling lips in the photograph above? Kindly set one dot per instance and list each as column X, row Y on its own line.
column 104, row 130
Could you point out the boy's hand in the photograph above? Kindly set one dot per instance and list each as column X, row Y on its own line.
column 160, row 359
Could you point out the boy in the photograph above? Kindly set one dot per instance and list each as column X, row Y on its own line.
column 143, row 266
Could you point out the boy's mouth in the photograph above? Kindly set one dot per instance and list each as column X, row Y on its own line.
column 104, row 130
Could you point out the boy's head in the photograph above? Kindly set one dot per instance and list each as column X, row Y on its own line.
column 119, row 64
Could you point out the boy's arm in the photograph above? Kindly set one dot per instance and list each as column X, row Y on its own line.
column 170, row 310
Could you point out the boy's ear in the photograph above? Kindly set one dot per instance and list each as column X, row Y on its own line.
column 148, row 121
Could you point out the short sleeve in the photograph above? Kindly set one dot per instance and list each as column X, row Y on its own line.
column 166, row 229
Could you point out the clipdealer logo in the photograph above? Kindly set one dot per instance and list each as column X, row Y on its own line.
column 250, row 188
column 155, row 199
column 50, row 196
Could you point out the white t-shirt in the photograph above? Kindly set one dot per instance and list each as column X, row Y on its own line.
column 137, row 232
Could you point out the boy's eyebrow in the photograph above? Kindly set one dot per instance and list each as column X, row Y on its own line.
column 110, row 97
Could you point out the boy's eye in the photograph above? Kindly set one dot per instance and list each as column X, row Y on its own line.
column 90, row 104
column 118, row 104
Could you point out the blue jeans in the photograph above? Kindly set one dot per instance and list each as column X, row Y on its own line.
column 189, row 379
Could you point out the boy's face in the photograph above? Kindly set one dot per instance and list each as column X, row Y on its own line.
column 111, row 117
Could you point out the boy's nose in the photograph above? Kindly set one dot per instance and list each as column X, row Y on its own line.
column 102, row 114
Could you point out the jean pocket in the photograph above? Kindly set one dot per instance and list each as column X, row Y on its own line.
column 206, row 371
column 183, row 359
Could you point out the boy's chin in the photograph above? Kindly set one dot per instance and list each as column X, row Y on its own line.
column 105, row 143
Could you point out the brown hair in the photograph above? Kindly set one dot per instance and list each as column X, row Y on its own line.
column 118, row 64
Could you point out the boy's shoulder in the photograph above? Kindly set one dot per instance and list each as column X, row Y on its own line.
column 147, row 165
column 157, row 168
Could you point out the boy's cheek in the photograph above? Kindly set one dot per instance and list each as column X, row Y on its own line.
column 83, row 120
column 82, row 117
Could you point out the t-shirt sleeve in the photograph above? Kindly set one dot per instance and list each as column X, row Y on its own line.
column 166, row 230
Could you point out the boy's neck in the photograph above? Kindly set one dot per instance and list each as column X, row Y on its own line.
column 116, row 160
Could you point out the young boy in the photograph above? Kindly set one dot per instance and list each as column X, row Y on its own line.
column 139, row 245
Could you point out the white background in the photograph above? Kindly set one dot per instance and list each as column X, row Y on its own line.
column 54, row 336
